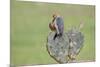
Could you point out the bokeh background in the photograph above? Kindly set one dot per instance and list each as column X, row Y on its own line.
column 29, row 30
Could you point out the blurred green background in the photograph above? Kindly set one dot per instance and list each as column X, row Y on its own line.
column 29, row 30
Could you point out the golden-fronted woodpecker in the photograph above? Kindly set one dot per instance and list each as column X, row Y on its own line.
column 57, row 25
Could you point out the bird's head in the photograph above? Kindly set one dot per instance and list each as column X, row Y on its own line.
column 52, row 24
column 55, row 15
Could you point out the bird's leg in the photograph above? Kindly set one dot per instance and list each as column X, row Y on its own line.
column 55, row 36
column 60, row 34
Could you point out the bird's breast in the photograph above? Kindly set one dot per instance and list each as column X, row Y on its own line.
column 52, row 27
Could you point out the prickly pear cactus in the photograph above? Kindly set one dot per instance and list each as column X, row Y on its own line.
column 76, row 40
column 58, row 48
column 65, row 49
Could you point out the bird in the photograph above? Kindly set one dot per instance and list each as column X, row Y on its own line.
column 57, row 25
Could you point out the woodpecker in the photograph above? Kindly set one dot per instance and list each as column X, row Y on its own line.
column 57, row 25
